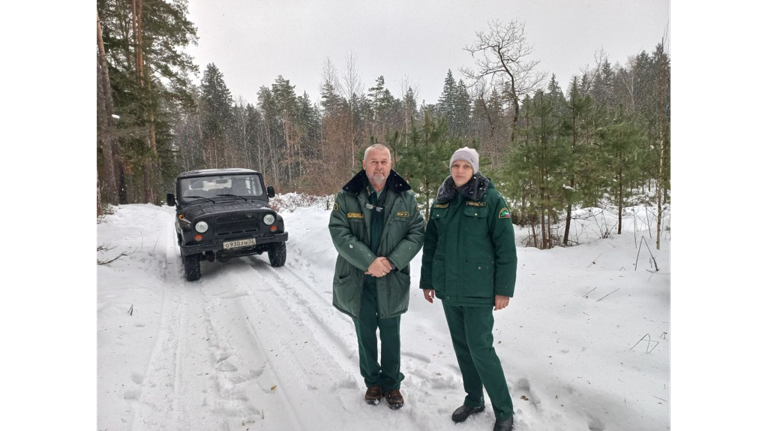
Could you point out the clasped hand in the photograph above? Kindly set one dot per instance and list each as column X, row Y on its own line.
column 380, row 267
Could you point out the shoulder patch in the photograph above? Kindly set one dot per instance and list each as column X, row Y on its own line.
column 403, row 214
column 476, row 204
column 335, row 206
column 442, row 205
column 354, row 215
column 504, row 213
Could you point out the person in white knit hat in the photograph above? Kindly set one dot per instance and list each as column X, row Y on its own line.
column 469, row 262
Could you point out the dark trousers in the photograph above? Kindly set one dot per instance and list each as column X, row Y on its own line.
column 387, row 375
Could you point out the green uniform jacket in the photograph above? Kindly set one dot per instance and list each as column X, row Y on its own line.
column 469, row 252
column 401, row 240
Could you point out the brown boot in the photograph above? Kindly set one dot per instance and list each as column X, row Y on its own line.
column 373, row 395
column 395, row 399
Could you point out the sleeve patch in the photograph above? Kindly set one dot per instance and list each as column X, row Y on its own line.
column 335, row 206
column 504, row 213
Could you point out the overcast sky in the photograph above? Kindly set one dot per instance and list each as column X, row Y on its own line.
column 254, row 41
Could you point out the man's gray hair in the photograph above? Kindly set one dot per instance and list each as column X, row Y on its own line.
column 377, row 147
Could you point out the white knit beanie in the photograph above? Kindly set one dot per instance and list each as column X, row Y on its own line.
column 469, row 155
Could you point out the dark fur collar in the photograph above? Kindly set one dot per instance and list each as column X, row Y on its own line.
column 474, row 190
column 395, row 183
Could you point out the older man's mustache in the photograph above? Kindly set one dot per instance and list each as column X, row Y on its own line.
column 378, row 178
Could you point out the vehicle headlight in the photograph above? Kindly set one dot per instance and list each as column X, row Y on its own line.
column 201, row 227
column 269, row 219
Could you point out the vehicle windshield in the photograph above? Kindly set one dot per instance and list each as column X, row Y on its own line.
column 206, row 188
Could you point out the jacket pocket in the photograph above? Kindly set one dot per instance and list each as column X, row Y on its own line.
column 479, row 277
column 438, row 274
column 475, row 221
column 347, row 288
column 398, row 294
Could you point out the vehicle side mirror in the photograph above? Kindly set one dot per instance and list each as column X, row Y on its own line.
column 171, row 199
column 271, row 191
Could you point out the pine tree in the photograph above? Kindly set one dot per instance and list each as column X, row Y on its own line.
column 424, row 163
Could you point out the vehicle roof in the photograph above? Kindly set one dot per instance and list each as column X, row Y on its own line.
column 211, row 172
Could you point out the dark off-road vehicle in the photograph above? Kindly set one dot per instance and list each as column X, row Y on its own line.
column 225, row 213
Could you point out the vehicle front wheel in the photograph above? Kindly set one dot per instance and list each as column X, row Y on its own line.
column 191, row 266
column 277, row 254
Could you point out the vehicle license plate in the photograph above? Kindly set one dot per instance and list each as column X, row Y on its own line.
column 239, row 243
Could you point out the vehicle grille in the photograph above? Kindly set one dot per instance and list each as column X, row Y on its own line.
column 238, row 228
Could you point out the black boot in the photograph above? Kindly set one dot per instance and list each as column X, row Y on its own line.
column 462, row 413
column 506, row 425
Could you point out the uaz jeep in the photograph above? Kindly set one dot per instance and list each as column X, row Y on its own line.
column 225, row 213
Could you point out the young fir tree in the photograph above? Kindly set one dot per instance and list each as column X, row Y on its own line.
column 216, row 116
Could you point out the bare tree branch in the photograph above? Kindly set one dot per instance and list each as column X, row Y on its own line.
column 501, row 54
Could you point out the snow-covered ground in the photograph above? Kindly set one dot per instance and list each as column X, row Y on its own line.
column 584, row 344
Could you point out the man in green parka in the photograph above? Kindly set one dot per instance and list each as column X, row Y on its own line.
column 377, row 229
column 470, row 263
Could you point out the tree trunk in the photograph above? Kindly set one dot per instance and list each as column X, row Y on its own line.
column 621, row 198
column 104, row 99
